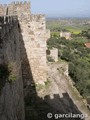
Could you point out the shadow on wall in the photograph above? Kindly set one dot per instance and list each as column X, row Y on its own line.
column 11, row 85
column 37, row 108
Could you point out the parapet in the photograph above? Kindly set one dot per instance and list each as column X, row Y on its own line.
column 16, row 8
column 3, row 5
column 6, row 24
column 20, row 3
column 19, row 8
column 7, row 19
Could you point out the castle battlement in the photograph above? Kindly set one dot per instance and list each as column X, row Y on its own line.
column 6, row 24
column 7, row 19
column 3, row 5
column 20, row 3
column 16, row 3
column 16, row 8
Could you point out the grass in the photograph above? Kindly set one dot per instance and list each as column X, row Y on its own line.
column 75, row 27
column 73, row 30
column 47, row 84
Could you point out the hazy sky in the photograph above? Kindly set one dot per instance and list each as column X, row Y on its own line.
column 62, row 8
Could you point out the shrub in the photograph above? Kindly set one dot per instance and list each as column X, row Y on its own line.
column 7, row 72
column 12, row 72
column 47, row 84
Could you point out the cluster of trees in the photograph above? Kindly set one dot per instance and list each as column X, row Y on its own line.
column 78, row 57
column 86, row 33
column 79, row 70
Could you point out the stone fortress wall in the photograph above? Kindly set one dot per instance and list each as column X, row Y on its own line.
column 23, row 39
column 11, row 93
column 15, row 8
column 35, row 35
column 6, row 24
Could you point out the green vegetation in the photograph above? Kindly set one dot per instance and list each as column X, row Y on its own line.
column 47, row 84
column 12, row 72
column 86, row 33
column 42, row 87
column 75, row 26
column 73, row 30
column 39, row 87
column 76, row 54
column 68, row 24
column 55, row 34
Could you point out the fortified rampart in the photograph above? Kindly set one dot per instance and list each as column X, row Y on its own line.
column 15, row 8
column 6, row 24
column 23, row 46
column 34, row 33
column 11, row 83
column 34, row 38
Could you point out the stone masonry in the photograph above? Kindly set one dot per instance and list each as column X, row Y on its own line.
column 34, row 38
column 11, row 93
column 54, row 54
column 23, row 39
column 35, row 35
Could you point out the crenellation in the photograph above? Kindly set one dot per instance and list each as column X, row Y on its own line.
column 8, row 19
column 16, row 8
column 6, row 23
column 1, row 20
column 20, row 3
column 3, row 5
